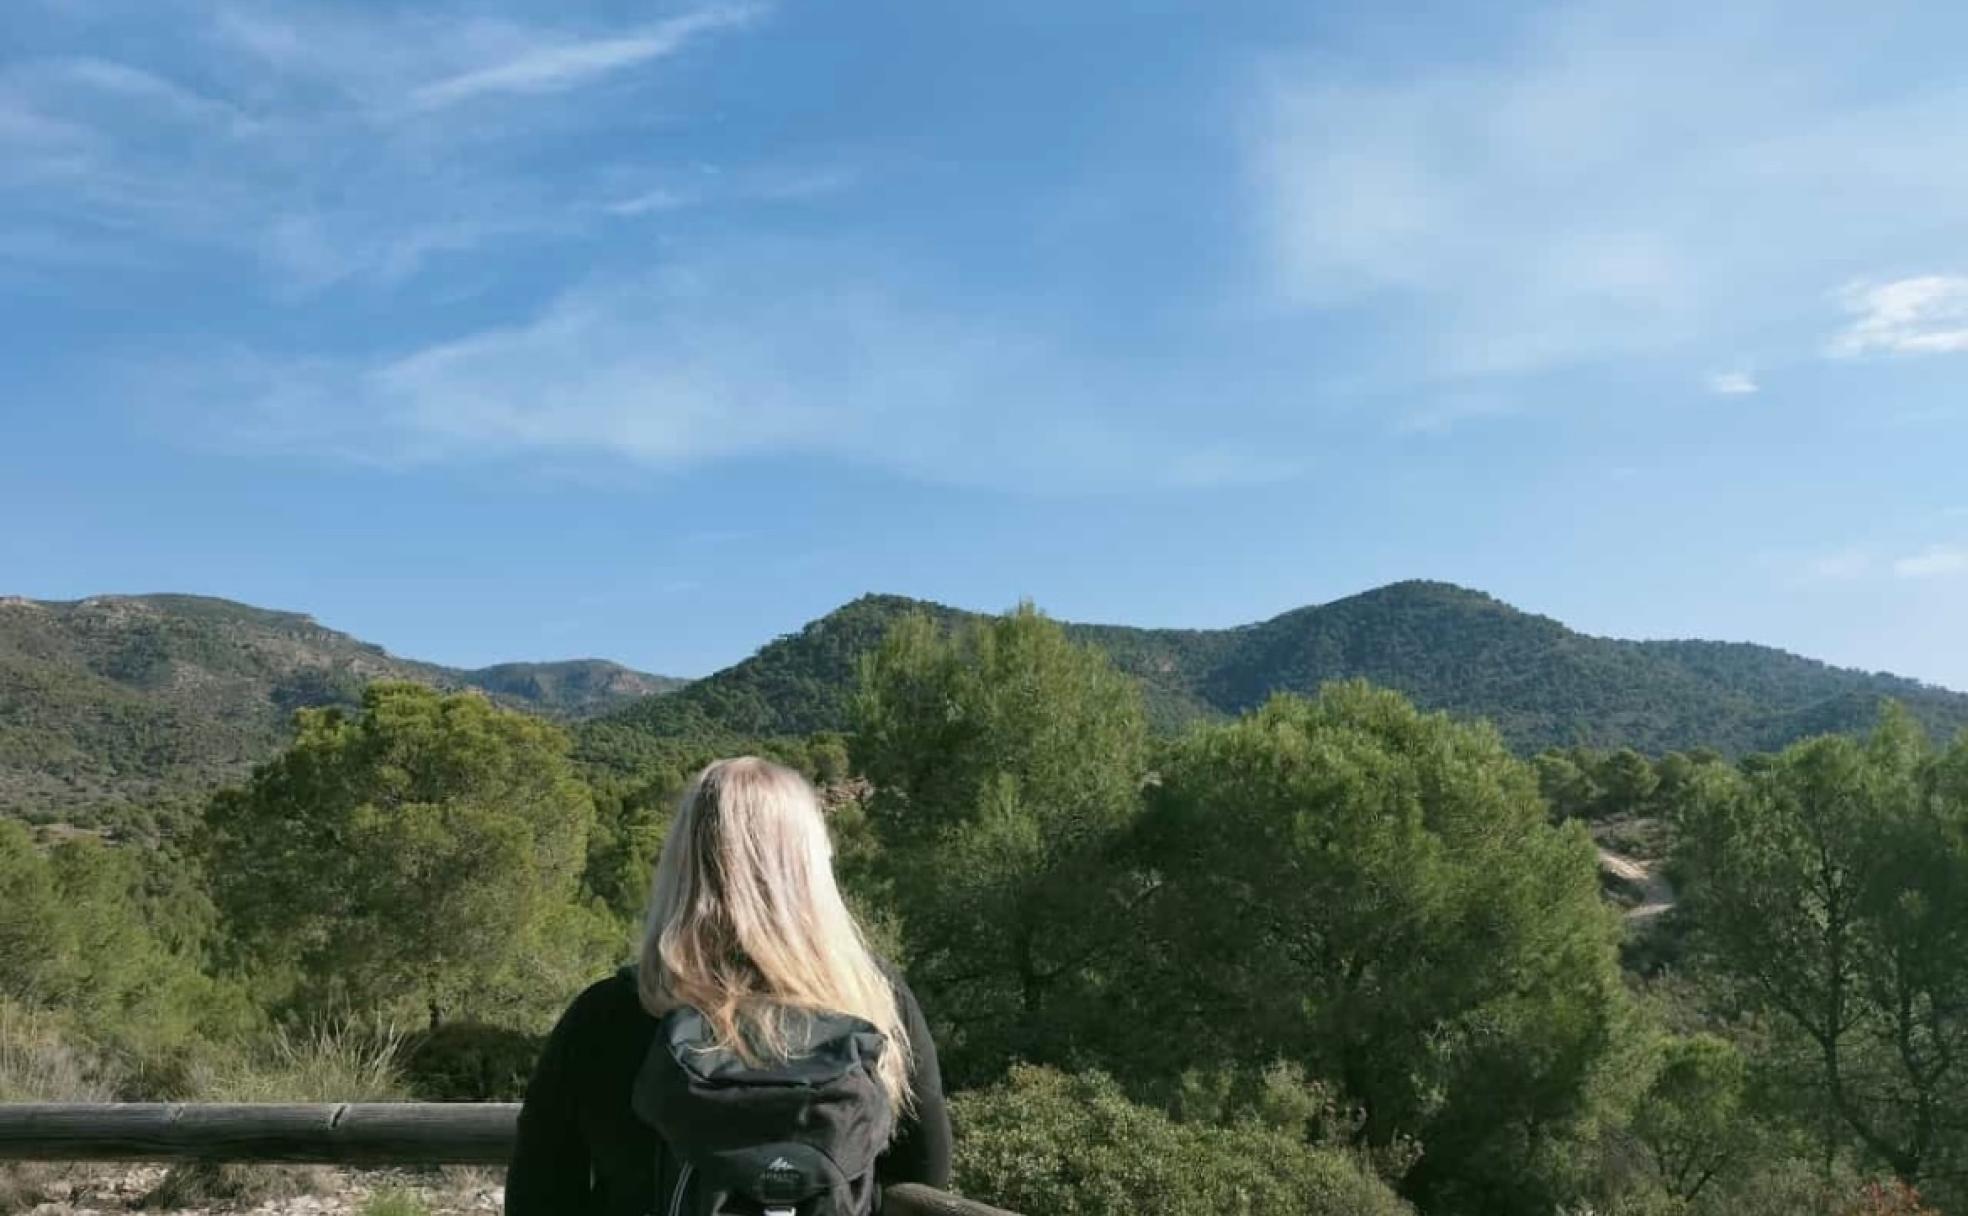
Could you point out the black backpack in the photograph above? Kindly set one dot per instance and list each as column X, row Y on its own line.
column 792, row 1138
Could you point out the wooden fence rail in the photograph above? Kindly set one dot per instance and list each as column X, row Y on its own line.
column 356, row 1133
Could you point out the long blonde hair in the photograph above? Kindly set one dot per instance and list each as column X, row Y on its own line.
column 746, row 923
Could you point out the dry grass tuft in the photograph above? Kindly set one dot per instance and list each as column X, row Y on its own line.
column 339, row 1062
column 228, row 1187
column 40, row 1063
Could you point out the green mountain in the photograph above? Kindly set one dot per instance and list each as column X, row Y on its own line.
column 1444, row 646
column 138, row 700
column 796, row 684
column 570, row 688
column 131, row 700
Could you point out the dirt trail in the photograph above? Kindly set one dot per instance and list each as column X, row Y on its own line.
column 1656, row 893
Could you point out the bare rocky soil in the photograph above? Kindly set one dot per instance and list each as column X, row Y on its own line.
column 1631, row 854
column 1656, row 895
column 107, row 1190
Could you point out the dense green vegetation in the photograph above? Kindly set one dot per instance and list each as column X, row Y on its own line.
column 1380, row 893
column 1335, row 954
column 1007, row 766
column 117, row 712
column 425, row 856
column 1075, row 1145
column 1831, row 888
column 114, row 708
column 795, row 685
column 1445, row 648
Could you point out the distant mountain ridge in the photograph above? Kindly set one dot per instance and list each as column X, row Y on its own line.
column 123, row 699
column 573, row 688
column 129, row 699
column 1444, row 646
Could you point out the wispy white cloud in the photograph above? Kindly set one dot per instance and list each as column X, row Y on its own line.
column 1453, row 411
column 662, row 198
column 1924, row 315
column 764, row 350
column 1559, row 203
column 134, row 84
column 1932, row 562
column 1843, row 565
column 324, row 145
column 1857, row 562
column 559, row 66
column 1733, row 384
column 791, row 183
column 324, row 60
column 310, row 251
column 23, row 128
column 359, row 150
column 710, row 185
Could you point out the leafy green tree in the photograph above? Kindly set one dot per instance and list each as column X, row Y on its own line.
column 1675, row 772
column 75, row 939
column 1006, row 762
column 629, row 825
column 32, row 941
column 1566, row 781
column 424, row 854
column 1627, row 782
column 1830, row 890
column 1044, row 1141
column 829, row 758
column 119, row 978
column 1693, row 1119
column 1375, row 894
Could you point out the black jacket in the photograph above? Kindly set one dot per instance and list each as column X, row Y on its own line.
column 583, row 1152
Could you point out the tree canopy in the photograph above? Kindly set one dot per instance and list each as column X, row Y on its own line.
column 1830, row 891
column 424, row 853
column 1006, row 761
column 1375, row 894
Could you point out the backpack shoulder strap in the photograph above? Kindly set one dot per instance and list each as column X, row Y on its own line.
column 667, row 1171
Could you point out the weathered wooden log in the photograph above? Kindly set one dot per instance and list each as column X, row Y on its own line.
column 355, row 1133
column 367, row 1133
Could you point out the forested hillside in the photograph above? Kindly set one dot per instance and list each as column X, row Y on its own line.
column 1446, row 647
column 134, row 700
column 1372, row 945
column 571, row 688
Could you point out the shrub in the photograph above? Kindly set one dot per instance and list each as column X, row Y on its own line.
column 226, row 1187
column 40, row 1063
column 1890, row 1198
column 469, row 1062
column 1063, row 1144
column 394, row 1202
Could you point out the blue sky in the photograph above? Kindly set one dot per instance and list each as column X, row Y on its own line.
column 652, row 331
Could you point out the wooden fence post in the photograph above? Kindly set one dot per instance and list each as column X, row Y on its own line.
column 352, row 1133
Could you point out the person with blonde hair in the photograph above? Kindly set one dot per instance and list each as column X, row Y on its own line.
column 758, row 1057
